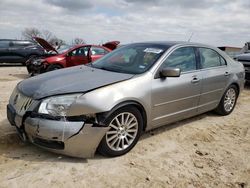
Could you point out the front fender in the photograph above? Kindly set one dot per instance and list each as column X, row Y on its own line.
column 106, row 98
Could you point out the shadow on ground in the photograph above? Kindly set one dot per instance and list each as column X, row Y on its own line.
column 20, row 76
column 12, row 147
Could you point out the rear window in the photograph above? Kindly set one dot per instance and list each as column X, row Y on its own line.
column 210, row 58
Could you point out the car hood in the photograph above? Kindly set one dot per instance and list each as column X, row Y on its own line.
column 70, row 80
column 45, row 44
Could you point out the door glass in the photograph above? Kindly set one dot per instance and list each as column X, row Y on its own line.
column 79, row 52
column 222, row 61
column 22, row 44
column 98, row 51
column 183, row 58
column 209, row 58
column 11, row 44
column 4, row 44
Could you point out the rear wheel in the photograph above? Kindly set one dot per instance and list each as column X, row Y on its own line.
column 228, row 101
column 125, row 129
column 53, row 67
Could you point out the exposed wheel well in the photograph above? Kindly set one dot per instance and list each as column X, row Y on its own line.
column 54, row 64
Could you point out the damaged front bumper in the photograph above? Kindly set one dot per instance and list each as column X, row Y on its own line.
column 34, row 67
column 78, row 138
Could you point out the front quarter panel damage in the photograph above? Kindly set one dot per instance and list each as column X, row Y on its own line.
column 79, row 139
column 105, row 98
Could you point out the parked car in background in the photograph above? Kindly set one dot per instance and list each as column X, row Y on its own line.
column 67, row 56
column 245, row 60
column 18, row 51
column 106, row 105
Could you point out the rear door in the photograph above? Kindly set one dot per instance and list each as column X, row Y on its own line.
column 97, row 52
column 215, row 74
column 175, row 98
column 78, row 56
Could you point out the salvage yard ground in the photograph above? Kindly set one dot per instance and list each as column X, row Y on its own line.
column 205, row 151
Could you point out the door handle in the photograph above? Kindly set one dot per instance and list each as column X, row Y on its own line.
column 226, row 73
column 195, row 80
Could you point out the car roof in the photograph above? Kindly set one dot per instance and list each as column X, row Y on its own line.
column 168, row 44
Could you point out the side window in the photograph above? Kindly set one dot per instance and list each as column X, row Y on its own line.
column 98, row 51
column 222, row 61
column 183, row 58
column 210, row 58
column 22, row 44
column 11, row 44
column 79, row 52
column 4, row 44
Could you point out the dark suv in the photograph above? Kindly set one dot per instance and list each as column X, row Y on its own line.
column 18, row 51
column 245, row 60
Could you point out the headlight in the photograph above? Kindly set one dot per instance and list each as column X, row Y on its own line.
column 58, row 105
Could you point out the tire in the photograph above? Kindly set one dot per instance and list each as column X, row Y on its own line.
column 120, row 139
column 53, row 67
column 228, row 101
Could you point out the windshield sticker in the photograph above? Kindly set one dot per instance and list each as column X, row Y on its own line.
column 153, row 50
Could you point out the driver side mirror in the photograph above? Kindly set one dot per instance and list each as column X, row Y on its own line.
column 170, row 72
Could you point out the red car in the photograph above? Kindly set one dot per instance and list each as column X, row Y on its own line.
column 67, row 56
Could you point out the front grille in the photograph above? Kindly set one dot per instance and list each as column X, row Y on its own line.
column 20, row 102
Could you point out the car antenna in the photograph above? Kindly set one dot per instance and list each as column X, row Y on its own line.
column 190, row 36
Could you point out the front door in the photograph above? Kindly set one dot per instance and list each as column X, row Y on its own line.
column 175, row 98
column 78, row 56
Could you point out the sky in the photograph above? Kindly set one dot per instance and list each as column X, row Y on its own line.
column 214, row 22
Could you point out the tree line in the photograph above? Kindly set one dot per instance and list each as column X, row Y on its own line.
column 29, row 33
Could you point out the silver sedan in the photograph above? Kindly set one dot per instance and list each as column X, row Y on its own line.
column 106, row 105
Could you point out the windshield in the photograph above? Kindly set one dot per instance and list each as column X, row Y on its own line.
column 63, row 48
column 131, row 59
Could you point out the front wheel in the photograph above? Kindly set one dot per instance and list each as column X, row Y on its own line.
column 125, row 129
column 228, row 101
column 53, row 67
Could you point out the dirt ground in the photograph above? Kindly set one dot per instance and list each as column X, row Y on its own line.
column 204, row 151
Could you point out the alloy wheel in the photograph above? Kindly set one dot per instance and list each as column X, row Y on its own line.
column 229, row 99
column 122, row 132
